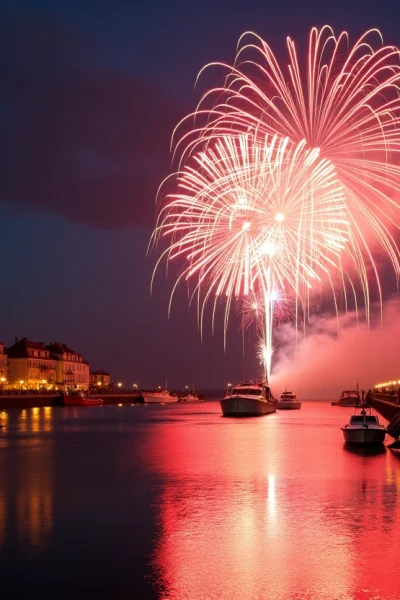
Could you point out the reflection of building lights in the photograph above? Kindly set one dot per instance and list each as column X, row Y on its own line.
column 119, row 404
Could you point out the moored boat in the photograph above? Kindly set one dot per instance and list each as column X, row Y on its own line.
column 288, row 400
column 364, row 428
column 160, row 397
column 348, row 398
column 192, row 396
column 248, row 400
column 80, row 400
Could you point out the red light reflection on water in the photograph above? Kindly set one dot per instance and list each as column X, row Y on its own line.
column 260, row 509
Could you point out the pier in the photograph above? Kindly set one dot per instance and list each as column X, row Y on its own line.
column 385, row 403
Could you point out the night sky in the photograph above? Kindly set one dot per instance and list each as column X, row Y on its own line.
column 90, row 92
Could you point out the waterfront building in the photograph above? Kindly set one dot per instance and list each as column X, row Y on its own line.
column 30, row 365
column 3, row 367
column 72, row 371
column 100, row 378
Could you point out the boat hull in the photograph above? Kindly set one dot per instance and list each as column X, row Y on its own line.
column 348, row 403
column 78, row 401
column 287, row 405
column 364, row 435
column 246, row 407
column 154, row 399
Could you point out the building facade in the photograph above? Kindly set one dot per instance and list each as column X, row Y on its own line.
column 30, row 366
column 3, row 366
column 72, row 371
column 100, row 379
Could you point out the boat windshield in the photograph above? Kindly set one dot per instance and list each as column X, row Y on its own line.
column 246, row 391
column 363, row 418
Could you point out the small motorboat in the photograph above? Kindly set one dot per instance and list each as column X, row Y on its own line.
column 288, row 400
column 160, row 396
column 80, row 399
column 248, row 400
column 348, row 398
column 192, row 396
column 364, row 428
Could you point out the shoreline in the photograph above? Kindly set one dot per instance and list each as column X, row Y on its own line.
column 41, row 400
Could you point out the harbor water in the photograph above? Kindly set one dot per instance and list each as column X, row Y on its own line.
column 177, row 502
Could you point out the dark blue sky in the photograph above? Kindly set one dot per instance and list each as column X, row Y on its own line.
column 90, row 93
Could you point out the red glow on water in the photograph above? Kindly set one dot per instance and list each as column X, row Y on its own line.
column 251, row 512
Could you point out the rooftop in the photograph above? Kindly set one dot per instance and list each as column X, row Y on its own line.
column 21, row 347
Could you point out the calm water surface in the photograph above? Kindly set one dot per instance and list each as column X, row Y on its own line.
column 178, row 502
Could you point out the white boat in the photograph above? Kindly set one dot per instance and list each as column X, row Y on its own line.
column 192, row 396
column 364, row 428
column 161, row 397
column 288, row 400
column 248, row 400
column 348, row 398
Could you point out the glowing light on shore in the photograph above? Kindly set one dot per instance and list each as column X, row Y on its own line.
column 394, row 382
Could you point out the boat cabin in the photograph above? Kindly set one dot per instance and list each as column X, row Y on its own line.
column 251, row 389
column 247, row 390
column 357, row 419
column 350, row 394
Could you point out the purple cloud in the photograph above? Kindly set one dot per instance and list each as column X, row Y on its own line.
column 79, row 140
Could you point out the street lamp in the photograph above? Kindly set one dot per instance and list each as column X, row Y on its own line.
column 119, row 384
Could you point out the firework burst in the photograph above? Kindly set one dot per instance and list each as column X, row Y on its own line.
column 253, row 215
column 346, row 103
